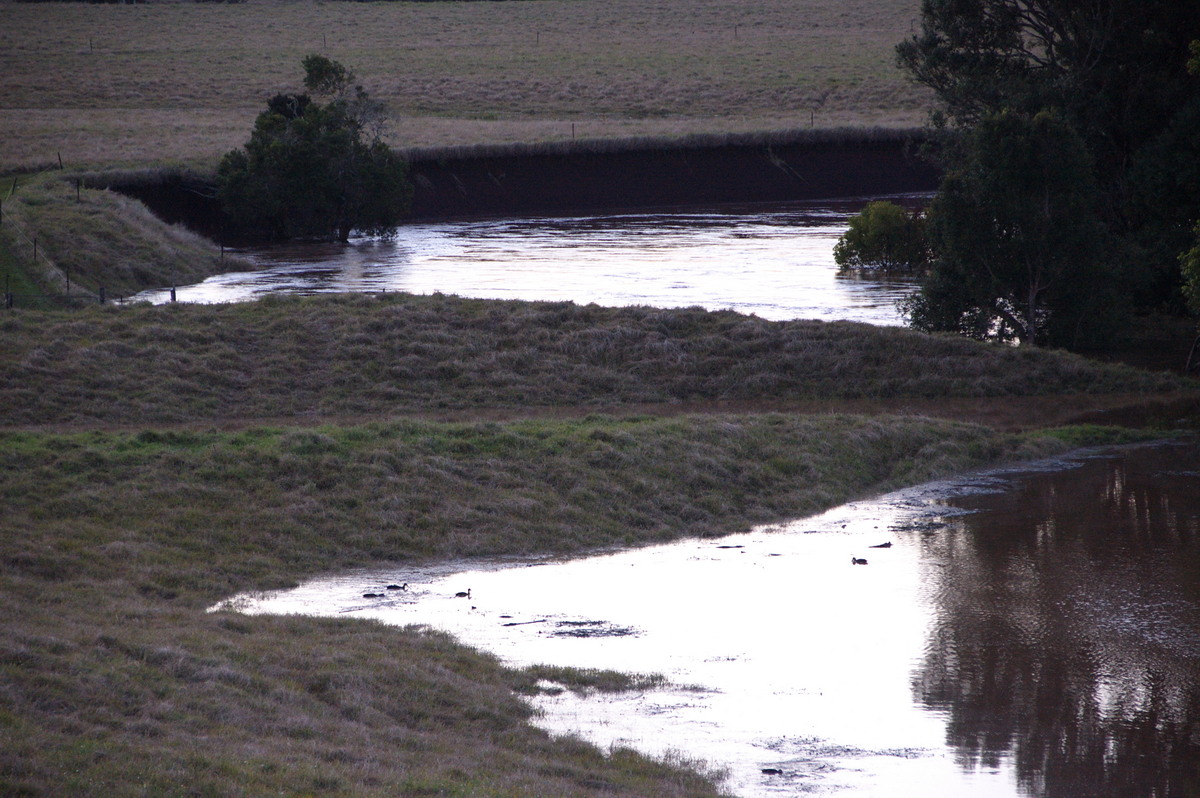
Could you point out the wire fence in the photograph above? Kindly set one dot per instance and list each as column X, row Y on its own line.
column 27, row 246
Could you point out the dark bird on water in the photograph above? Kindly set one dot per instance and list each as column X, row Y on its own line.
column 887, row 545
column 398, row 587
column 858, row 561
column 372, row 595
column 462, row 594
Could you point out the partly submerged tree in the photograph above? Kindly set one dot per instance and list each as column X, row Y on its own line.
column 883, row 237
column 1020, row 250
column 315, row 170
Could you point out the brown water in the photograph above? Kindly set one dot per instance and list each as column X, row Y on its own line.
column 775, row 262
column 1029, row 632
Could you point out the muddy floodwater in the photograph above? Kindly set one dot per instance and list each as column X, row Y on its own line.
column 775, row 262
column 1029, row 632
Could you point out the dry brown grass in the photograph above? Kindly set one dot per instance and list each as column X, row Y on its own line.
column 182, row 82
column 358, row 355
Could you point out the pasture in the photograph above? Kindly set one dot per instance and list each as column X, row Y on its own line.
column 132, row 85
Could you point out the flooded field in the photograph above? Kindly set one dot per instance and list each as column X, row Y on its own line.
column 1034, row 631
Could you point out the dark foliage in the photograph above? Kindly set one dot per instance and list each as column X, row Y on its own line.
column 1113, row 71
column 1021, row 250
column 313, row 170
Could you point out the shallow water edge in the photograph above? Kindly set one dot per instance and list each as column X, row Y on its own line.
column 1054, row 601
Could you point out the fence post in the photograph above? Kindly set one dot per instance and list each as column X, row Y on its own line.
column 101, row 295
column 172, row 293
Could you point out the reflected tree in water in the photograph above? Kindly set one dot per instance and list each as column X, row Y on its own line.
column 1069, row 630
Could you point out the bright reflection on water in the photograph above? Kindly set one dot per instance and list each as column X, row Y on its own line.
column 1027, row 633
column 777, row 264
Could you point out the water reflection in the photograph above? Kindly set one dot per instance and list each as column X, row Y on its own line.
column 1068, row 631
column 776, row 263
column 1030, row 632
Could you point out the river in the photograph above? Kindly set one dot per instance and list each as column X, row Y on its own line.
column 1032, row 631
column 775, row 262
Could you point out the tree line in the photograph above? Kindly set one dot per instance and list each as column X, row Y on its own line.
column 1069, row 135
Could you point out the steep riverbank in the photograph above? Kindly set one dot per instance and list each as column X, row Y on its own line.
column 591, row 176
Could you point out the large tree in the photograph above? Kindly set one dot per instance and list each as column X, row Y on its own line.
column 1020, row 249
column 313, row 169
column 1111, row 70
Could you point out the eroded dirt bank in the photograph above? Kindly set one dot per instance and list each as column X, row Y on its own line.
column 607, row 176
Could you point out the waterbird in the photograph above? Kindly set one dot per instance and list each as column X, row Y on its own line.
column 372, row 595
column 858, row 561
column 398, row 587
column 887, row 545
column 462, row 594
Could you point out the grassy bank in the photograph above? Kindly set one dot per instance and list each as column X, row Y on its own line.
column 121, row 530
column 367, row 355
column 451, row 73
column 115, row 681
column 60, row 237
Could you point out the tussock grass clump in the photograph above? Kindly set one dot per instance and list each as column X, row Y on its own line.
column 354, row 355
column 98, row 239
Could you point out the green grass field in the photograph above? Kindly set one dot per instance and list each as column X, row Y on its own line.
column 106, row 85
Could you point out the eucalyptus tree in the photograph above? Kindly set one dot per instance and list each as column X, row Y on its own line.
column 316, row 169
column 1113, row 76
column 1021, row 254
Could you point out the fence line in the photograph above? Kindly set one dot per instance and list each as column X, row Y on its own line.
column 80, row 298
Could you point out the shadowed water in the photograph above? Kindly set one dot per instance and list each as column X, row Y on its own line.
column 1029, row 632
column 776, row 263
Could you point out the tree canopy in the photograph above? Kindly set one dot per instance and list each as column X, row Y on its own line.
column 1021, row 252
column 315, row 170
column 1113, row 76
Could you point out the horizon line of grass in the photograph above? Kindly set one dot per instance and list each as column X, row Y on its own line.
column 844, row 136
column 119, row 178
